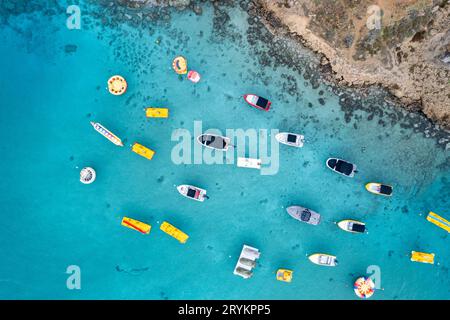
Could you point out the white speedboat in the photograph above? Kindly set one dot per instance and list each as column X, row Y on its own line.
column 323, row 259
column 192, row 192
column 214, row 141
column 290, row 139
column 342, row 167
column 379, row 189
column 304, row 215
column 352, row 226
column 257, row 101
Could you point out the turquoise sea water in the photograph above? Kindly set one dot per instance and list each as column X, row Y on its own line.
column 50, row 220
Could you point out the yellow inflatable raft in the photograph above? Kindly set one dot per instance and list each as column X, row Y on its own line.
column 179, row 64
column 439, row 221
column 284, row 275
column 157, row 112
column 143, row 151
column 136, row 225
column 117, row 85
column 174, row 232
column 422, row 257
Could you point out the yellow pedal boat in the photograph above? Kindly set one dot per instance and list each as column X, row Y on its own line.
column 422, row 257
column 174, row 232
column 143, row 151
column 157, row 112
column 136, row 225
column 439, row 221
column 284, row 275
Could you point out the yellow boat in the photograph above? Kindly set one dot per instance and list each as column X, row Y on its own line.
column 174, row 232
column 439, row 221
column 157, row 112
column 422, row 257
column 284, row 275
column 143, row 151
column 136, row 225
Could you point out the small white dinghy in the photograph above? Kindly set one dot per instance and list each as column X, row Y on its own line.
column 290, row 139
column 249, row 163
column 246, row 262
column 192, row 192
column 323, row 259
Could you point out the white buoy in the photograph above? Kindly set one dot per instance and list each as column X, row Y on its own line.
column 87, row 175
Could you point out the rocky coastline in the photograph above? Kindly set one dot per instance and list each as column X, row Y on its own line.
column 409, row 55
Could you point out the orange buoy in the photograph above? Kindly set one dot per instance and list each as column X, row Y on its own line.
column 117, row 85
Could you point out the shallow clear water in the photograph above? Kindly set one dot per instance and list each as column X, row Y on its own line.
column 50, row 220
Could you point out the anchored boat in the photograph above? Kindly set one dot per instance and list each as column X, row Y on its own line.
column 422, row 257
column 249, row 163
column 290, row 139
column 107, row 134
column 257, row 101
column 352, row 226
column 284, row 275
column 342, row 167
column 142, row 151
column 174, row 232
column 379, row 189
column 157, row 112
column 323, row 259
column 246, row 262
column 214, row 141
column 136, row 225
column 192, row 192
column 304, row 215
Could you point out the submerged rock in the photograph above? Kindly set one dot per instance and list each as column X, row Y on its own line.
column 70, row 48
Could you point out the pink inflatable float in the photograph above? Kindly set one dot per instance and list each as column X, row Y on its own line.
column 194, row 76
